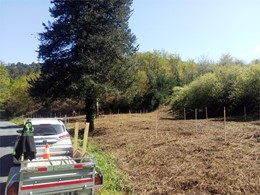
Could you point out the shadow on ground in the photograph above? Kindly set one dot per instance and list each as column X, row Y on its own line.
column 12, row 127
column 7, row 140
column 5, row 165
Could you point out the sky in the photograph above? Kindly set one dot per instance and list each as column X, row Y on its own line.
column 192, row 29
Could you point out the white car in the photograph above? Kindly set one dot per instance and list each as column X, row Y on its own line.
column 53, row 132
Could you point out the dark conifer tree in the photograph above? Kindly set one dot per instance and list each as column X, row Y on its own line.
column 83, row 50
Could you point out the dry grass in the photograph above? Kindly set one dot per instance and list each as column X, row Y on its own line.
column 179, row 158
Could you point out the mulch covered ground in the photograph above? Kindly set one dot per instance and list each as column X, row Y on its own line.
column 161, row 155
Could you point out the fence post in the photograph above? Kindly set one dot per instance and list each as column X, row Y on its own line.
column 245, row 113
column 225, row 124
column 196, row 117
column 66, row 120
column 206, row 109
column 97, row 108
column 156, row 124
column 184, row 114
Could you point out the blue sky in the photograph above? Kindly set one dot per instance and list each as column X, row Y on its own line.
column 188, row 28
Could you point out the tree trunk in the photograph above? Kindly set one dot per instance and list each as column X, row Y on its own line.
column 90, row 108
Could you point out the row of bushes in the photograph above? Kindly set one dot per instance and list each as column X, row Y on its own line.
column 232, row 87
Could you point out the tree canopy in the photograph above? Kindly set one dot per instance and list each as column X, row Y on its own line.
column 19, row 69
column 4, row 83
column 83, row 50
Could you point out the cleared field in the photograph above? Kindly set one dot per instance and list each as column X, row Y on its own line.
column 161, row 155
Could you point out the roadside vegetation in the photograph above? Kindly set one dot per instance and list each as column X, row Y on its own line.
column 18, row 120
column 115, row 181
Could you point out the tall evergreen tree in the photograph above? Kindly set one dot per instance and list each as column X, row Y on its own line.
column 84, row 50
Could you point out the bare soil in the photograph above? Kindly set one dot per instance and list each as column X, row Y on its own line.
column 161, row 155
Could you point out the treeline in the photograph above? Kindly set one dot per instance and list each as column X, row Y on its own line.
column 148, row 85
column 19, row 69
column 155, row 78
column 14, row 96
column 14, row 91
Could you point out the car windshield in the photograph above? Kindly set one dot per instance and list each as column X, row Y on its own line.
column 48, row 129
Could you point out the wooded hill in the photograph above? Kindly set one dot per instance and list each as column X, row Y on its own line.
column 154, row 79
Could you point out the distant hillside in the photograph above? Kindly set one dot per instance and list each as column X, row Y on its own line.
column 19, row 69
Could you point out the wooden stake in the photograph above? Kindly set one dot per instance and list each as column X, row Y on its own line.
column 245, row 113
column 206, row 109
column 196, row 117
column 97, row 108
column 184, row 115
column 259, row 109
column 75, row 144
column 66, row 120
column 225, row 124
column 85, row 140
column 156, row 124
column 258, row 120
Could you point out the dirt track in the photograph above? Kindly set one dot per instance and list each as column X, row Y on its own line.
column 183, row 157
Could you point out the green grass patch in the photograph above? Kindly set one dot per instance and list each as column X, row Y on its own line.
column 18, row 120
column 115, row 182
